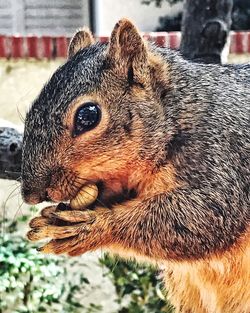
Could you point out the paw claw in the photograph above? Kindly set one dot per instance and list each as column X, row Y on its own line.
column 47, row 212
column 59, row 246
column 33, row 235
column 39, row 222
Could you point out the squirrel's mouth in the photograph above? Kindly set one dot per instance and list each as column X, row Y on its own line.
column 89, row 194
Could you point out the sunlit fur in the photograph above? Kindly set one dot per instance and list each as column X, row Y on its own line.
column 171, row 159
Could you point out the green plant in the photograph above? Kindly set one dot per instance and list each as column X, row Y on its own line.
column 31, row 282
column 138, row 288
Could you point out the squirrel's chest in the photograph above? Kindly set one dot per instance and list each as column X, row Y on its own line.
column 215, row 286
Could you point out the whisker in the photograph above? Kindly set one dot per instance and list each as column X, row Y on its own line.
column 19, row 179
column 103, row 204
column 14, row 183
column 11, row 172
column 70, row 192
column 9, row 197
column 23, row 97
column 81, row 179
column 20, row 114
column 19, row 209
column 14, row 195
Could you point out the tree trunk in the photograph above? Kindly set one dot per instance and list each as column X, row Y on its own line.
column 205, row 28
column 10, row 153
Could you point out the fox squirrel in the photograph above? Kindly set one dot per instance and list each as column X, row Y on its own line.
column 166, row 142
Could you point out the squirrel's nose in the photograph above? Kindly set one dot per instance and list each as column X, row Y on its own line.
column 32, row 196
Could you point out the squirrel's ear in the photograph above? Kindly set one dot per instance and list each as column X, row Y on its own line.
column 127, row 50
column 82, row 39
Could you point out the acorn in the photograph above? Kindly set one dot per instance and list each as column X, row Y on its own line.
column 86, row 196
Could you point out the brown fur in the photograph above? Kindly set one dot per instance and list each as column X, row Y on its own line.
column 135, row 214
column 82, row 39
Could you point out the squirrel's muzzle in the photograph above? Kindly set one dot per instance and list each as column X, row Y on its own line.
column 34, row 196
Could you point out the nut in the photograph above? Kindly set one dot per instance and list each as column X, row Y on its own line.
column 86, row 196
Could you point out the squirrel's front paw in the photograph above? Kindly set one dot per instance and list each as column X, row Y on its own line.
column 53, row 226
column 73, row 232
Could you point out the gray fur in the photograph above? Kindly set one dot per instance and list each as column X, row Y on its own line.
column 203, row 132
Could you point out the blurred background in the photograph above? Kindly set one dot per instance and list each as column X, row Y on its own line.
column 62, row 17
column 34, row 35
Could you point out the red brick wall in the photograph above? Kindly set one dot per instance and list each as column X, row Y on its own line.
column 53, row 47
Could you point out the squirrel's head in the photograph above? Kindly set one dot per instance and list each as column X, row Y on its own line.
column 98, row 119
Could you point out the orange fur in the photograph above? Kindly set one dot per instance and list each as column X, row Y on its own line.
column 218, row 284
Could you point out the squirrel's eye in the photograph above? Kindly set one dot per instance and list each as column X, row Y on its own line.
column 87, row 117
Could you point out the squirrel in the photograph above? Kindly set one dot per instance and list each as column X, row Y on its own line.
column 167, row 143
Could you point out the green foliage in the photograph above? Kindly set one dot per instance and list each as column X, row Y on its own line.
column 138, row 288
column 31, row 282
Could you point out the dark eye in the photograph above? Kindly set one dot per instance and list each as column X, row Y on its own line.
column 87, row 117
